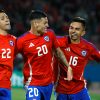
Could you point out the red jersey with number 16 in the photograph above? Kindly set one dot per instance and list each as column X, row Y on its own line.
column 37, row 54
column 7, row 53
column 78, row 56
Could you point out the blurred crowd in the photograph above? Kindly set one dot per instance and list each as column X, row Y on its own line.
column 59, row 13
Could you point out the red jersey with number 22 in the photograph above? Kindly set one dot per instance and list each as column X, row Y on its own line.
column 7, row 54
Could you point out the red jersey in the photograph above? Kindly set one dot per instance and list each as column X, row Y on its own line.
column 37, row 54
column 55, row 69
column 7, row 48
column 78, row 56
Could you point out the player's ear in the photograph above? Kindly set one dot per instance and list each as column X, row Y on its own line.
column 35, row 23
column 83, row 33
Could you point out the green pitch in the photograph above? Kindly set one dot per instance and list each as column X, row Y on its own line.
column 19, row 94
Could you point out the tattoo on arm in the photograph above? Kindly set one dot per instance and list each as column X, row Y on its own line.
column 61, row 57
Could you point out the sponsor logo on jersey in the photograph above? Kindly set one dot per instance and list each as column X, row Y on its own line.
column 31, row 45
column 11, row 43
column 84, row 53
column 46, row 38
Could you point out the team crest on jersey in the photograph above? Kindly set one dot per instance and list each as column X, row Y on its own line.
column 11, row 43
column 46, row 38
column 84, row 53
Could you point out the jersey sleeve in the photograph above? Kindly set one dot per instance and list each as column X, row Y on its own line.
column 15, row 43
column 95, row 54
column 61, row 41
column 15, row 49
column 55, row 69
column 19, row 45
column 55, row 42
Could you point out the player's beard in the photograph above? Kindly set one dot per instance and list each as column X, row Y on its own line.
column 74, row 36
column 8, row 27
column 42, row 31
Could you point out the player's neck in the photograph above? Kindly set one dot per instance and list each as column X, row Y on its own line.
column 75, row 41
column 33, row 31
column 3, row 32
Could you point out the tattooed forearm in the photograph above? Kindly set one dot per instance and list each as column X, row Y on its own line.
column 62, row 57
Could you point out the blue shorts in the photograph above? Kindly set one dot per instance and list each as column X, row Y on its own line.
column 5, row 94
column 82, row 95
column 39, row 92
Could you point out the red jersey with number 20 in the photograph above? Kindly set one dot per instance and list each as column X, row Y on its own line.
column 78, row 56
column 37, row 54
column 7, row 51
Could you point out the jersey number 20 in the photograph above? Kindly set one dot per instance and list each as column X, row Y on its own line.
column 33, row 92
column 42, row 50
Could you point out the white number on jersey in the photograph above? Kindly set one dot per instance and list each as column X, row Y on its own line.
column 30, row 92
column 42, row 50
column 35, row 92
column 73, row 61
column 6, row 53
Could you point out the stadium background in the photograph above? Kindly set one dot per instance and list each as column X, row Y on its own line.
column 59, row 13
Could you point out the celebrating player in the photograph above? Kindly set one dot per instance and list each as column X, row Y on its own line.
column 7, row 45
column 78, row 51
column 37, row 47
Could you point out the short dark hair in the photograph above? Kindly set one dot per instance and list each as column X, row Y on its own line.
column 2, row 11
column 80, row 20
column 37, row 14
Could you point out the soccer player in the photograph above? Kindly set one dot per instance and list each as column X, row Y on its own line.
column 37, row 47
column 78, row 52
column 7, row 47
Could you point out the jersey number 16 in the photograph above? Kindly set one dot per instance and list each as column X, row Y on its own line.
column 73, row 61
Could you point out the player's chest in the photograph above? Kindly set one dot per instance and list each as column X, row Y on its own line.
column 6, row 48
column 74, row 50
column 75, row 54
column 38, row 45
column 7, row 43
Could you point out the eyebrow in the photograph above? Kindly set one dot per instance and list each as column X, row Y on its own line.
column 77, row 28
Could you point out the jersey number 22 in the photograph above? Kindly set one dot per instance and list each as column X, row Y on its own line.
column 6, row 53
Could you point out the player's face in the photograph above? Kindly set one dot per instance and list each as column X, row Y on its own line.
column 42, row 25
column 4, row 22
column 76, row 30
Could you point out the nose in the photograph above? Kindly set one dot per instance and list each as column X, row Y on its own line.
column 73, row 30
column 47, row 25
column 7, row 20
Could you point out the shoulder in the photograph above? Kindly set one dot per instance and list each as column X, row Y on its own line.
column 23, row 37
column 62, row 40
column 11, row 37
column 88, row 44
column 50, row 32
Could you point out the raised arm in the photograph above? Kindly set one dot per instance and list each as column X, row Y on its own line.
column 63, row 59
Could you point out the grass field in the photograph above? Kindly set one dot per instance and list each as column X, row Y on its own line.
column 19, row 94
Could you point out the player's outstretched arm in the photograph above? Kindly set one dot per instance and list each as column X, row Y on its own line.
column 63, row 59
